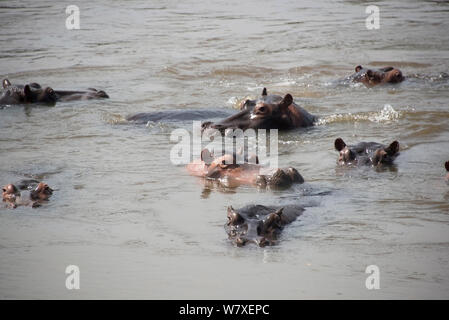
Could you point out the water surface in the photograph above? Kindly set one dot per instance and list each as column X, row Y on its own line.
column 140, row 227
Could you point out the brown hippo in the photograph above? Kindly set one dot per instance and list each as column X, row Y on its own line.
column 34, row 93
column 446, row 165
column 373, row 77
column 267, row 112
column 34, row 198
column 366, row 153
column 247, row 173
column 259, row 224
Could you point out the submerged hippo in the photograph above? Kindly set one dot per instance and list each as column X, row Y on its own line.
column 29, row 93
column 34, row 93
column 249, row 172
column 366, row 153
column 33, row 198
column 372, row 77
column 259, row 224
column 267, row 112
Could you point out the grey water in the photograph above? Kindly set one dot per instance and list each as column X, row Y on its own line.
column 138, row 226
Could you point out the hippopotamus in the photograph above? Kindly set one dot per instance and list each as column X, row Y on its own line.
column 366, row 153
column 29, row 93
column 373, row 77
column 259, row 224
column 446, row 165
column 33, row 198
column 34, row 93
column 250, row 172
column 267, row 112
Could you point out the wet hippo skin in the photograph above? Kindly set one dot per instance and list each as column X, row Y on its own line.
column 259, row 224
column 267, row 112
column 366, row 153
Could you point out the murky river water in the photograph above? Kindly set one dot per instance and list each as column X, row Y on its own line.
column 139, row 227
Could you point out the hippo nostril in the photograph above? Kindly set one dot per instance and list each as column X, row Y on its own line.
column 240, row 242
column 262, row 242
column 261, row 110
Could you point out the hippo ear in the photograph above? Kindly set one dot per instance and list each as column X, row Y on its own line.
column 286, row 102
column 264, row 92
column 40, row 187
column 339, row 144
column 27, row 92
column 207, row 156
column 358, row 68
column 279, row 211
column 393, row 148
column 231, row 210
column 6, row 83
column 446, row 165
column 234, row 218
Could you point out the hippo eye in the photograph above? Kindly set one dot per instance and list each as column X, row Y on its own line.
column 4, row 190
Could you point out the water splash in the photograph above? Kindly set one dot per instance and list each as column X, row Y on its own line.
column 387, row 114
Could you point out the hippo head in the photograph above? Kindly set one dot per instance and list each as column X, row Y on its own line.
column 260, row 230
column 41, row 192
column 265, row 114
column 379, row 156
column 33, row 94
column 372, row 77
column 10, row 193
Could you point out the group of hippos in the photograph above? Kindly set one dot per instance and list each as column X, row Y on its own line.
column 254, row 223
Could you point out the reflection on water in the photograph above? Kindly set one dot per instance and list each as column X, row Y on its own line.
column 140, row 227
